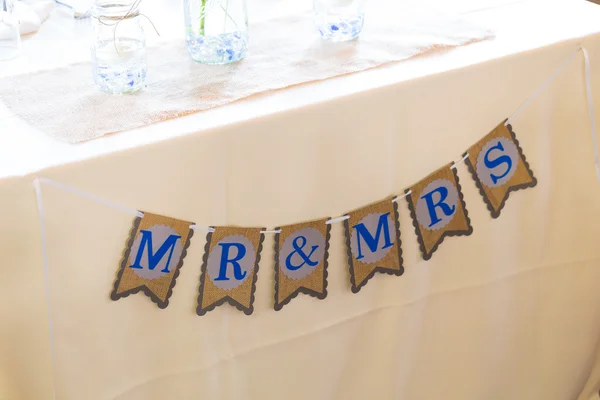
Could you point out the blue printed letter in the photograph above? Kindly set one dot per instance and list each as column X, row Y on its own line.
column 372, row 243
column 431, row 205
column 298, row 245
column 237, row 269
column 504, row 159
column 154, row 258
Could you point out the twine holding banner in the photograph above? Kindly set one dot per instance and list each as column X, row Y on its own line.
column 157, row 245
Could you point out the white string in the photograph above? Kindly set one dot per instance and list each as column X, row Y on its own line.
column 271, row 231
column 542, row 87
column 454, row 164
column 38, row 194
column 202, row 228
column 140, row 214
column 398, row 198
column 588, row 86
column 210, row 229
column 336, row 220
column 90, row 196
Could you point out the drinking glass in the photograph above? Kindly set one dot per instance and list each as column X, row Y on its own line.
column 216, row 31
column 119, row 46
column 339, row 20
column 10, row 38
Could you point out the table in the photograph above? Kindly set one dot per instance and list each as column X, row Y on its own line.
column 511, row 312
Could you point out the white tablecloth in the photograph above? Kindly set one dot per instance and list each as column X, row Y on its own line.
column 511, row 312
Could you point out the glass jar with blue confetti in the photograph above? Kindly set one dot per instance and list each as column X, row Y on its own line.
column 216, row 31
column 119, row 46
column 339, row 20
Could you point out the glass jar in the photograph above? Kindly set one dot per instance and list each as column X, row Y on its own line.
column 216, row 30
column 339, row 20
column 10, row 38
column 119, row 47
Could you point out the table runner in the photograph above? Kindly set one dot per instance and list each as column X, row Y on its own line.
column 64, row 104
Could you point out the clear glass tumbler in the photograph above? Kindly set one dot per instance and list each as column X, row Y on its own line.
column 216, row 30
column 10, row 38
column 339, row 20
column 119, row 46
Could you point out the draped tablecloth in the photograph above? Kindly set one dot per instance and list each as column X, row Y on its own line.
column 510, row 312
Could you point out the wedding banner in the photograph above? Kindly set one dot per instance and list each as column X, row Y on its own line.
column 153, row 257
column 230, row 269
column 157, row 245
column 438, row 210
column 498, row 167
column 301, row 253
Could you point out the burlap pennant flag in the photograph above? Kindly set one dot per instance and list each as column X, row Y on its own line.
column 230, row 269
column 301, row 253
column 438, row 209
column 153, row 257
column 499, row 167
column 373, row 242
